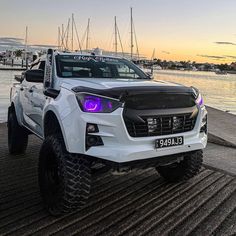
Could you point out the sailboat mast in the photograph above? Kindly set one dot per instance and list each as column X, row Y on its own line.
column 77, row 35
column 131, row 29
column 87, row 37
column 72, row 31
column 121, row 45
column 59, row 38
column 26, row 42
column 153, row 54
column 116, row 36
column 67, row 34
column 62, row 37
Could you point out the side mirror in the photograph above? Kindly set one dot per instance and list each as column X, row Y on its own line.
column 35, row 76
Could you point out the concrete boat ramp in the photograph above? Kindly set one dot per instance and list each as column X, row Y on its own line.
column 222, row 127
column 138, row 203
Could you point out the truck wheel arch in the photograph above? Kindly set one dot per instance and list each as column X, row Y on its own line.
column 51, row 125
column 10, row 109
column 17, row 111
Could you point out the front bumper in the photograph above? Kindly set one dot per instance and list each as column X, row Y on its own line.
column 119, row 146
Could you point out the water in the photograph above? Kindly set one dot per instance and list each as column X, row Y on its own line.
column 219, row 91
column 6, row 80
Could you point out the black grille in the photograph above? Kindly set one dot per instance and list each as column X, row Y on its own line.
column 161, row 125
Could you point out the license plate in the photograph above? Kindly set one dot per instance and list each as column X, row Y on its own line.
column 169, row 142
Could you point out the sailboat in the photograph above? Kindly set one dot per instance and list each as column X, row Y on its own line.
column 19, row 61
column 133, row 39
column 65, row 32
column 118, row 39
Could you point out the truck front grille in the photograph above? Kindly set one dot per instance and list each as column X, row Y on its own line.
column 161, row 125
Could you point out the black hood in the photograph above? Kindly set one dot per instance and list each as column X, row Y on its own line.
column 122, row 93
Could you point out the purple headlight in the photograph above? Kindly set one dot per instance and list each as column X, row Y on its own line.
column 97, row 104
column 199, row 100
column 92, row 104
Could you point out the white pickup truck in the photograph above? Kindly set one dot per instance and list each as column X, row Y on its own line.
column 96, row 109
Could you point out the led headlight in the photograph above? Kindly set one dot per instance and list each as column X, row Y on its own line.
column 199, row 99
column 97, row 104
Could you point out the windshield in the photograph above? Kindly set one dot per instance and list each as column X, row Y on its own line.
column 78, row 66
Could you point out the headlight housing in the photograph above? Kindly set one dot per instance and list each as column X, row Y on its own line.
column 97, row 104
column 199, row 99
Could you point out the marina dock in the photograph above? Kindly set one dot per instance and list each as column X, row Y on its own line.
column 137, row 203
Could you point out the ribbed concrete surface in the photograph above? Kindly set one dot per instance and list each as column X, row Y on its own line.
column 221, row 127
column 134, row 204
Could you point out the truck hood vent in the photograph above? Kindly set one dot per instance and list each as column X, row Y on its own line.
column 159, row 101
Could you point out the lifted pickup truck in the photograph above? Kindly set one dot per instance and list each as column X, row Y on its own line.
column 96, row 109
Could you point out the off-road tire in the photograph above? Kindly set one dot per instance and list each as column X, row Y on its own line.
column 183, row 170
column 17, row 135
column 64, row 178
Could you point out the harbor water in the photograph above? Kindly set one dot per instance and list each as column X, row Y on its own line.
column 6, row 81
column 218, row 91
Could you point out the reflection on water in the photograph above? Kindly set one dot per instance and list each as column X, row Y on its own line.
column 218, row 90
column 6, row 80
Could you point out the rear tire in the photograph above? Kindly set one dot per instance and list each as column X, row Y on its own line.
column 17, row 135
column 184, row 170
column 64, row 178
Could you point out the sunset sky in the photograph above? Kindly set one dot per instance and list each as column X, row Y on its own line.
column 203, row 30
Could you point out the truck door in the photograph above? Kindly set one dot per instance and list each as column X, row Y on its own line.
column 38, row 100
column 25, row 100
